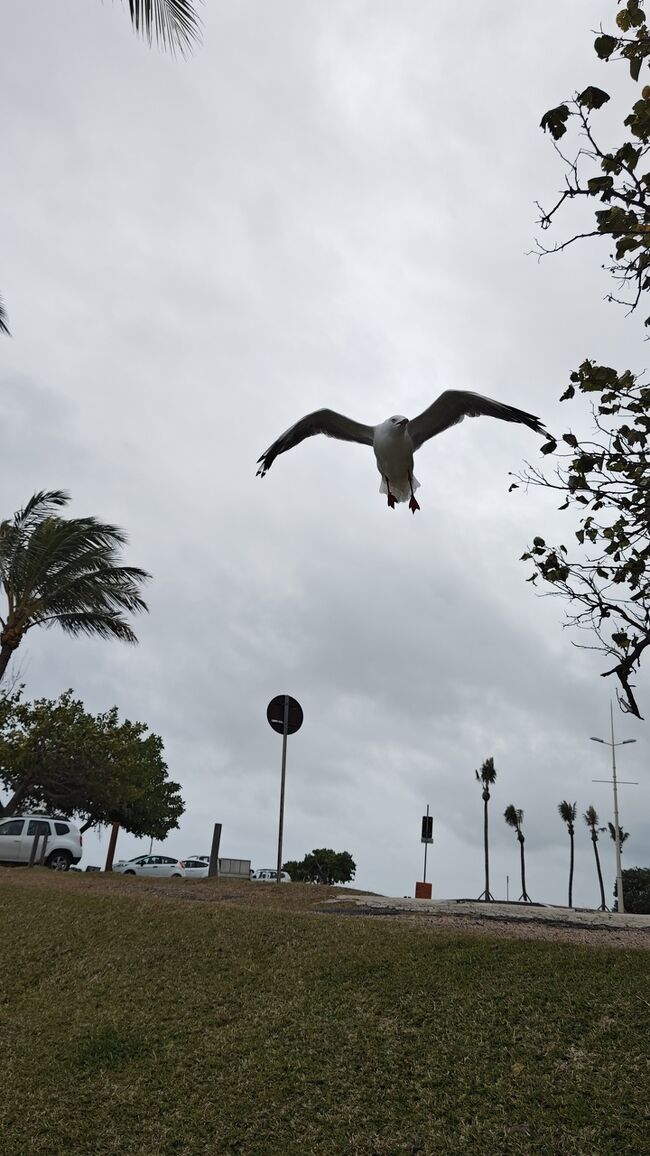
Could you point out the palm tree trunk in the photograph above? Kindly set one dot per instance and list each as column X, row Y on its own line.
column 571, row 872
column 603, row 905
column 6, row 652
column 524, row 894
column 487, row 854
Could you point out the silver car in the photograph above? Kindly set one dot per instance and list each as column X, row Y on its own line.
column 58, row 839
column 160, row 866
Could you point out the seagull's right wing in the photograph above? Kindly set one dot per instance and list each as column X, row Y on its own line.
column 322, row 421
column 455, row 404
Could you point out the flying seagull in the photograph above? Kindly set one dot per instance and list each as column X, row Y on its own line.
column 396, row 439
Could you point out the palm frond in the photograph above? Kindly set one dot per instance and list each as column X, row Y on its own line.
column 40, row 504
column 4, row 326
column 591, row 817
column 567, row 811
column 67, row 571
column 94, row 625
column 173, row 24
column 487, row 774
column 513, row 816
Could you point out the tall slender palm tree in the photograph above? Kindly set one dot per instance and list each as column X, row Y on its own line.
column 622, row 835
column 64, row 571
column 514, row 817
column 591, row 819
column 174, row 24
column 486, row 777
column 568, row 812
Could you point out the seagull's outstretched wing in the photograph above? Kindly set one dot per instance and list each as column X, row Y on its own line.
column 325, row 421
column 455, row 404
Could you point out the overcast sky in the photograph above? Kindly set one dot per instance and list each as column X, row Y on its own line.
column 327, row 204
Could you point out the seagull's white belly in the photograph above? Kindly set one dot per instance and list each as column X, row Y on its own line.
column 394, row 454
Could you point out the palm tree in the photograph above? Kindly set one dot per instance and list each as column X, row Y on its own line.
column 622, row 835
column 487, row 777
column 173, row 23
column 568, row 813
column 65, row 571
column 4, row 326
column 591, row 819
column 514, row 817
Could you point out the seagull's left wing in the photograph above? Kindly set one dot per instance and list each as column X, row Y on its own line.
column 455, row 404
column 325, row 421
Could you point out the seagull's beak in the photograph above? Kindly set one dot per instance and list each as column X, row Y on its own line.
column 404, row 422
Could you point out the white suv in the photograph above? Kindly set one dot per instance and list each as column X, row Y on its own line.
column 62, row 840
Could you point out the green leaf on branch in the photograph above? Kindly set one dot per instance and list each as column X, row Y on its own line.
column 550, row 446
column 593, row 97
column 555, row 121
column 600, row 186
column 605, row 45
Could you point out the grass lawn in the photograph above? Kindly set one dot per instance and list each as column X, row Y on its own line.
column 246, row 1022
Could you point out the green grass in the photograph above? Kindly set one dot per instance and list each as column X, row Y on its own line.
column 132, row 1023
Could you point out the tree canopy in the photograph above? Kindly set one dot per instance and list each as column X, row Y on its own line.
column 322, row 865
column 636, row 889
column 65, row 572
column 56, row 755
column 604, row 479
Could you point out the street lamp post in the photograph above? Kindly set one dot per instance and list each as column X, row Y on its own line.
column 617, row 829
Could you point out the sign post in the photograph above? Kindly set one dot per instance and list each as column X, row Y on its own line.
column 284, row 715
column 423, row 889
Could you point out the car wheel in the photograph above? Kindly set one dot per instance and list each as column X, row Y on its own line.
column 177, row 875
column 60, row 860
column 128, row 872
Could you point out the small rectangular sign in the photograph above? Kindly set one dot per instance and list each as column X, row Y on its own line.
column 427, row 829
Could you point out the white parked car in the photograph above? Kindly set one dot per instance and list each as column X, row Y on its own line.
column 196, row 868
column 269, row 875
column 63, row 840
column 161, row 866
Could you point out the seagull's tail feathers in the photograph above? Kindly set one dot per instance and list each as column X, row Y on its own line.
column 400, row 489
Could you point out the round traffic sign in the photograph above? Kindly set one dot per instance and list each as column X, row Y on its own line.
column 275, row 713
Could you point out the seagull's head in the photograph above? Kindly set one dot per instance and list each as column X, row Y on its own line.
column 397, row 424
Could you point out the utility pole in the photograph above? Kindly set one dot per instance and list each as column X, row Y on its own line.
column 617, row 829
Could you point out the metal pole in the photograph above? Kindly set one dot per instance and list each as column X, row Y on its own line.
column 617, row 833
column 424, row 874
column 112, row 843
column 507, row 888
column 213, row 867
column 285, row 731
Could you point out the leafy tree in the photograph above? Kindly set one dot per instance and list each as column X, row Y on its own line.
column 568, row 813
column 613, row 176
column 322, row 865
column 591, row 819
column 636, row 889
column 605, row 580
column 57, row 756
column 486, row 777
column 62, row 571
column 514, row 817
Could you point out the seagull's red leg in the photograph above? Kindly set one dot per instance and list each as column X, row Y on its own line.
column 391, row 497
column 413, row 504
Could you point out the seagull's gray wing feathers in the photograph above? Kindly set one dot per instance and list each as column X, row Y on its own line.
column 455, row 404
column 322, row 421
